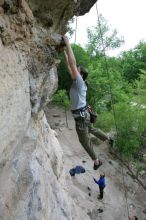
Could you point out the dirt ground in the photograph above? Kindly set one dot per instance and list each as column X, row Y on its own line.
column 115, row 205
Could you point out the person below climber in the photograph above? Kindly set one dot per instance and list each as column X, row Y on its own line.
column 79, row 105
column 101, row 184
column 133, row 218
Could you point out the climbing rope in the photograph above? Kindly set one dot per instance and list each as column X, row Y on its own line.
column 112, row 104
column 76, row 25
column 106, row 69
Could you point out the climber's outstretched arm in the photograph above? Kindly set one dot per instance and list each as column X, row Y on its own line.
column 67, row 63
column 71, row 59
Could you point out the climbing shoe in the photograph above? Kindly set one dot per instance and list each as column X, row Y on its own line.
column 96, row 166
column 99, row 197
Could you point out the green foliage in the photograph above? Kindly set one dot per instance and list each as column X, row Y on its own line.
column 61, row 98
column 107, row 86
column 130, row 125
column 105, row 121
column 133, row 61
column 129, row 111
column 102, row 37
column 64, row 78
column 82, row 57
column 140, row 89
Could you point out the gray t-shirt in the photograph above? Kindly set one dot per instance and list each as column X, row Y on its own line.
column 78, row 93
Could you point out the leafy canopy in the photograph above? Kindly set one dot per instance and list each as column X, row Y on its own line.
column 102, row 31
column 133, row 61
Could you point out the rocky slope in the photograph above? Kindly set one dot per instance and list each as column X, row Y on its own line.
column 123, row 194
column 32, row 179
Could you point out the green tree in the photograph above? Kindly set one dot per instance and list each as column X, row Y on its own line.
column 81, row 55
column 131, row 124
column 61, row 98
column 140, row 90
column 133, row 61
column 102, row 31
column 63, row 75
column 107, row 87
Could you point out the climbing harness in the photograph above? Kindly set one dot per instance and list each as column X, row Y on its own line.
column 80, row 115
column 93, row 115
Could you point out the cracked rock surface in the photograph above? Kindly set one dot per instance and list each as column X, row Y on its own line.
column 32, row 178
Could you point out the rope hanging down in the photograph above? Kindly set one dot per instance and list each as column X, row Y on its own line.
column 106, row 69
column 76, row 29
column 107, row 72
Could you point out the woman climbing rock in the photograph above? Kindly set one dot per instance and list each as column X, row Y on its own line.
column 80, row 111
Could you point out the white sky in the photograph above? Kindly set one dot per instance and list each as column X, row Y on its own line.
column 127, row 16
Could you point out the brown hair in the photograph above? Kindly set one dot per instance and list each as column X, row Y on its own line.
column 102, row 174
column 83, row 72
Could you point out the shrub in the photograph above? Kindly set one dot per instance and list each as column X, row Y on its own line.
column 61, row 98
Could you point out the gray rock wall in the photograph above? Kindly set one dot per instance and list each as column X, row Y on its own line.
column 32, row 178
column 15, row 108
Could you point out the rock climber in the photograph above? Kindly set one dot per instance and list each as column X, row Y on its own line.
column 80, row 111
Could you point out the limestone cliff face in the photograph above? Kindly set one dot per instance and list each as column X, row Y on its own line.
column 32, row 179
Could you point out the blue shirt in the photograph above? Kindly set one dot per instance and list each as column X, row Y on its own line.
column 100, row 182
